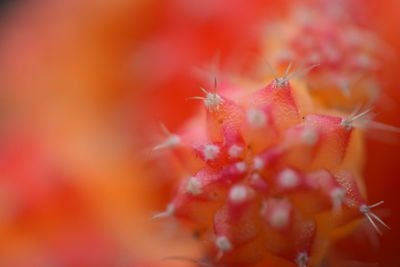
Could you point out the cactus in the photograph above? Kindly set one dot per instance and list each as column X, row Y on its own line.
column 273, row 176
column 347, row 55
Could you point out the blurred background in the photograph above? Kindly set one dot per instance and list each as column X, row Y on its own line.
column 83, row 85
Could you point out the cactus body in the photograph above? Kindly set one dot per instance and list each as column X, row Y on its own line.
column 274, row 176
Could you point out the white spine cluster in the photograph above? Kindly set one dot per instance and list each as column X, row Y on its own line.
column 194, row 186
column 309, row 136
column 280, row 218
column 258, row 164
column 223, row 243
column 337, row 197
column 256, row 118
column 238, row 193
column 288, row 179
column 366, row 210
column 302, row 259
column 211, row 152
column 172, row 140
column 235, row 151
column 241, row 166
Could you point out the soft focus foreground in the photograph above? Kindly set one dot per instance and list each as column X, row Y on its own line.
column 274, row 177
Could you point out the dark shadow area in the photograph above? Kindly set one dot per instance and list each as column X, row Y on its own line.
column 5, row 4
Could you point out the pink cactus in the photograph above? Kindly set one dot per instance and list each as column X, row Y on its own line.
column 274, row 175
